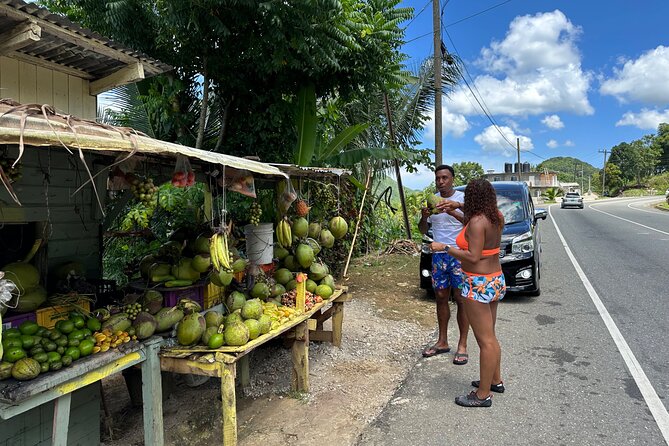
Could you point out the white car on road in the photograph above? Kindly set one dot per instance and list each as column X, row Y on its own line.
column 572, row 199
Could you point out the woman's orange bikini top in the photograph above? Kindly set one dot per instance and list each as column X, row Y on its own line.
column 462, row 243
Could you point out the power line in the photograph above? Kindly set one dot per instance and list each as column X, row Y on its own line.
column 478, row 13
column 416, row 16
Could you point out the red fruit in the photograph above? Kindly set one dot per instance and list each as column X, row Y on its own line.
column 191, row 176
column 179, row 175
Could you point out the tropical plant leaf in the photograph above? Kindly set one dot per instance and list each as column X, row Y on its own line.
column 340, row 141
column 306, row 125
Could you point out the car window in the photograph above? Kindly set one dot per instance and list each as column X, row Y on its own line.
column 512, row 206
column 572, row 194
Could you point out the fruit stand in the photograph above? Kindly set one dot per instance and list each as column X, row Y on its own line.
column 222, row 362
column 19, row 397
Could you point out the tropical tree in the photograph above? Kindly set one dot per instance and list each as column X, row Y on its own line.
column 661, row 144
column 551, row 193
column 467, row 171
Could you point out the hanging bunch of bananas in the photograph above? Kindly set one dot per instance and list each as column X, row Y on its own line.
column 284, row 235
column 220, row 255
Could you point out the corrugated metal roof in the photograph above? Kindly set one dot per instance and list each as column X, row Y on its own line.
column 67, row 44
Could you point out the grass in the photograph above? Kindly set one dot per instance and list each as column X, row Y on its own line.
column 663, row 206
column 636, row 193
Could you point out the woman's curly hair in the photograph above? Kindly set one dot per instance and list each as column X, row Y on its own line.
column 481, row 199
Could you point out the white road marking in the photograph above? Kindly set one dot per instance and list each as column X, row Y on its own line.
column 592, row 206
column 649, row 395
column 649, row 200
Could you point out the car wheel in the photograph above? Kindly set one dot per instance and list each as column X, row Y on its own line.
column 537, row 283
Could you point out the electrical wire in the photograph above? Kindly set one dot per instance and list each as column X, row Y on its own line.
column 478, row 13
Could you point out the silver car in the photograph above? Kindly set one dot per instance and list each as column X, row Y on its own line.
column 572, row 199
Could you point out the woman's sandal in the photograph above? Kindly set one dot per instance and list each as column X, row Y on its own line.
column 472, row 400
column 499, row 388
column 461, row 359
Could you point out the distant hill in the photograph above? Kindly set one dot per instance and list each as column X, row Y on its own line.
column 568, row 168
column 389, row 182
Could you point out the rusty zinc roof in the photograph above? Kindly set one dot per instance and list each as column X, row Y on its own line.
column 33, row 34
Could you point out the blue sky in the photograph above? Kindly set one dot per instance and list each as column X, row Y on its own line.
column 569, row 77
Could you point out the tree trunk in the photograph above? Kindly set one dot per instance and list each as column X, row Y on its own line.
column 224, row 124
column 203, row 108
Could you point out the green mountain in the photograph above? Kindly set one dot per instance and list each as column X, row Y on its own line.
column 569, row 169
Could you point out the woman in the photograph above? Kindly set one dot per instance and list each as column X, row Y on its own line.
column 484, row 285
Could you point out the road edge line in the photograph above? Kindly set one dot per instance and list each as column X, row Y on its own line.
column 643, row 383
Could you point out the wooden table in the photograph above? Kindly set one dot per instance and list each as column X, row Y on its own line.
column 222, row 362
column 17, row 397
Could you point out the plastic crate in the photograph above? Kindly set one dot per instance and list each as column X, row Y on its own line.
column 106, row 292
column 196, row 293
column 15, row 320
column 213, row 295
column 48, row 316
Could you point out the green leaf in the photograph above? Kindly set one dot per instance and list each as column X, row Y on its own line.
column 356, row 183
column 341, row 140
column 306, row 125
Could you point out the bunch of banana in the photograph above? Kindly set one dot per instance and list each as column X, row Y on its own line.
column 220, row 255
column 284, row 234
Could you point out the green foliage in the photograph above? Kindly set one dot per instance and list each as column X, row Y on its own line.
column 661, row 145
column 659, row 182
column 466, row 171
column 551, row 193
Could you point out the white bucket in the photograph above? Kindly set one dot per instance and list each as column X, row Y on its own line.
column 259, row 243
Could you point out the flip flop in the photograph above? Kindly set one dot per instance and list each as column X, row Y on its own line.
column 461, row 359
column 434, row 351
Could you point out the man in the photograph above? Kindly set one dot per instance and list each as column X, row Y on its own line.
column 446, row 271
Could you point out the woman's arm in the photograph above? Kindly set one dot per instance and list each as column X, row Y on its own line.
column 475, row 237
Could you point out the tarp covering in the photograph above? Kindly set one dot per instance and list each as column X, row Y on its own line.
column 41, row 125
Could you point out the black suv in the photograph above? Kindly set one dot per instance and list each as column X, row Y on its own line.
column 520, row 250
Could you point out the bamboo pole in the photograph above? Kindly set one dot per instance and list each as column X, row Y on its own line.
column 357, row 223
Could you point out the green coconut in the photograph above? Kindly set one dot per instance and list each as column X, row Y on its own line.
column 201, row 262
column 326, row 238
column 314, row 230
column 24, row 275
column 329, row 281
column 317, row 271
column 280, row 252
column 291, row 285
column 208, row 333
column 324, row 291
column 235, row 301
column 213, row 318
column 190, row 329
column 338, row 227
column 260, row 291
column 290, row 262
column 184, row 271
column 277, row 290
column 239, row 265
column 221, row 278
column 201, row 245
column 311, row 285
column 30, row 300
column 304, row 255
column 235, row 316
column 145, row 325
column 283, row 275
column 300, row 227
column 314, row 245
column 236, row 334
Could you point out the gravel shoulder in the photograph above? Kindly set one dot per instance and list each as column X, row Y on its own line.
column 385, row 326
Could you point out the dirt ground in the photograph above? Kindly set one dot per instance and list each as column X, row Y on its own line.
column 385, row 326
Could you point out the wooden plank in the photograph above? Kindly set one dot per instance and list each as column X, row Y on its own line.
column 189, row 367
column 152, row 397
column 311, row 324
column 130, row 73
column 228, row 404
column 38, row 61
column 90, row 104
column 244, row 375
column 300, row 355
column 61, row 420
column 75, row 98
column 321, row 336
column 44, row 86
column 27, row 83
column 60, row 92
column 9, row 72
column 21, row 35
column 337, row 319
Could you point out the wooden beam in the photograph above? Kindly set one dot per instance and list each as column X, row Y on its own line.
column 70, row 36
column 21, row 35
column 126, row 75
column 50, row 65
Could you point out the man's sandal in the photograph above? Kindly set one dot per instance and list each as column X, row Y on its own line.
column 434, row 351
column 499, row 388
column 472, row 400
column 461, row 359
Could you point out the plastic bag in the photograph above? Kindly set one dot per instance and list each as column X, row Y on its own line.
column 243, row 183
column 183, row 173
column 285, row 195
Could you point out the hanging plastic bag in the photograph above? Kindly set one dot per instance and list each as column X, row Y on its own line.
column 285, row 195
column 243, row 183
column 7, row 287
column 183, row 173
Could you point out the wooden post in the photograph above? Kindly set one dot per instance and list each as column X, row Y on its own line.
column 300, row 354
column 61, row 420
column 152, row 396
column 357, row 223
column 228, row 404
column 337, row 320
column 244, row 376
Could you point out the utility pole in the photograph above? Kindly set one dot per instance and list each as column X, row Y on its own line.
column 436, row 29
column 581, row 178
column 604, row 170
column 518, row 150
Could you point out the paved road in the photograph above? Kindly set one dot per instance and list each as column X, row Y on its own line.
column 569, row 380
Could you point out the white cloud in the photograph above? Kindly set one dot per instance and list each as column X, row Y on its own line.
column 491, row 140
column 568, row 143
column 455, row 124
column 552, row 144
column 646, row 119
column 645, row 79
column 539, row 68
column 553, row 122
